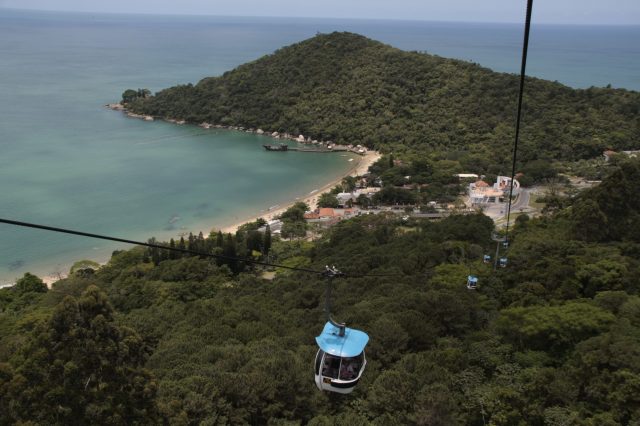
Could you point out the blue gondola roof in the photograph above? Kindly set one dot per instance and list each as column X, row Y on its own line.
column 472, row 279
column 350, row 345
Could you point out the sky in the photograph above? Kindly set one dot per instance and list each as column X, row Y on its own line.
column 603, row 12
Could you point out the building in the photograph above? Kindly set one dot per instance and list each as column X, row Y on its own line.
column 344, row 197
column 321, row 213
column 275, row 226
column 481, row 193
column 467, row 176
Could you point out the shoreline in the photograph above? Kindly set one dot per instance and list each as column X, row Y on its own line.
column 360, row 168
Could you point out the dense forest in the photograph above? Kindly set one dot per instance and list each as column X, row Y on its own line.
column 346, row 88
column 156, row 337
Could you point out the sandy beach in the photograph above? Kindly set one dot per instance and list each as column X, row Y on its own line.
column 360, row 167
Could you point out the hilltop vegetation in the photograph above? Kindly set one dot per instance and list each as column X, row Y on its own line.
column 346, row 88
column 553, row 339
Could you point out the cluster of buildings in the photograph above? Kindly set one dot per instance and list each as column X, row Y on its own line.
column 480, row 192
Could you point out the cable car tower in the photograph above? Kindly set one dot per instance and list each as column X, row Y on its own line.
column 340, row 360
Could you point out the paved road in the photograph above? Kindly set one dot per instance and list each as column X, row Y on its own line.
column 522, row 202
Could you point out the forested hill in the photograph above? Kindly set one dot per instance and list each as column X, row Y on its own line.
column 347, row 88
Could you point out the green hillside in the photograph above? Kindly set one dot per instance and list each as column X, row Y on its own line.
column 160, row 338
column 347, row 88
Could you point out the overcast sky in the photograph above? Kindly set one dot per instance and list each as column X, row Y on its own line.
column 545, row 11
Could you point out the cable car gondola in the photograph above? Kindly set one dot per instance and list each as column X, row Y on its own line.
column 503, row 262
column 340, row 361
column 472, row 282
column 486, row 258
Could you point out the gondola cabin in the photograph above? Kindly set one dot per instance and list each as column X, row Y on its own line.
column 486, row 258
column 472, row 282
column 340, row 360
column 505, row 244
column 503, row 262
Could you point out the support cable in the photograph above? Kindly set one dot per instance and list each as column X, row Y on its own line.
column 181, row 250
column 523, row 67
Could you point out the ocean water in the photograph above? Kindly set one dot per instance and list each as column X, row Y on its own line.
column 67, row 161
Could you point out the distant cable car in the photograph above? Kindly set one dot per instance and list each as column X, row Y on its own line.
column 340, row 361
column 503, row 262
column 505, row 244
column 486, row 258
column 472, row 282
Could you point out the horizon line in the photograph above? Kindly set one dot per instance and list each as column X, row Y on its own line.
column 205, row 15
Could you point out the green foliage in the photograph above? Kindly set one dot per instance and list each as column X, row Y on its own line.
column 292, row 229
column 613, row 206
column 131, row 95
column 80, row 368
column 393, row 195
column 30, row 283
column 294, row 224
column 552, row 339
column 591, row 222
column 327, row 200
column 295, row 213
column 348, row 184
column 553, row 327
column 82, row 266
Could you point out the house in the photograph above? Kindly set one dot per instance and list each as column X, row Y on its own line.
column 275, row 226
column 345, row 197
column 324, row 217
column 311, row 216
column 327, row 213
column 321, row 213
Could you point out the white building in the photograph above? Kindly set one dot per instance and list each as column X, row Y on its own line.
column 481, row 193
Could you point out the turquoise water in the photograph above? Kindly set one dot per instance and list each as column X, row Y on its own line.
column 67, row 161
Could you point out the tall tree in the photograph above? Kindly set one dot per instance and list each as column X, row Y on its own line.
column 80, row 368
column 267, row 241
column 30, row 283
column 328, row 200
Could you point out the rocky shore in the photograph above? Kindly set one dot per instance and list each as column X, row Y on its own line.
column 301, row 139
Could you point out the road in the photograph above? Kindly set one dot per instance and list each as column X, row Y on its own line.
column 522, row 202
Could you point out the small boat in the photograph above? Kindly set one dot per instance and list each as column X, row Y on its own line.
column 280, row 147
